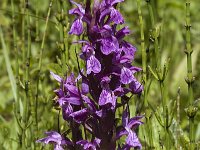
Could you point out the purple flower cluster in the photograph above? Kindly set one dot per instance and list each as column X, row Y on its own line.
column 90, row 101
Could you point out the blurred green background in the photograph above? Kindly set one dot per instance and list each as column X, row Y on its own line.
column 169, row 19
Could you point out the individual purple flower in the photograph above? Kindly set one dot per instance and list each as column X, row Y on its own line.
column 128, row 49
column 108, row 9
column 136, row 87
column 122, row 33
column 107, row 97
column 128, row 126
column 126, row 75
column 93, row 65
column 116, row 16
column 56, row 139
column 109, row 45
column 77, row 27
column 89, row 145
column 56, row 77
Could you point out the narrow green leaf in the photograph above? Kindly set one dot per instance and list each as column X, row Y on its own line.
column 8, row 65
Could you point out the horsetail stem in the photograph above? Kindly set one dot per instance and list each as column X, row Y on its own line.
column 191, row 110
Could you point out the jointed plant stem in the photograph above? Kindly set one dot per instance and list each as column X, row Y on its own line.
column 191, row 111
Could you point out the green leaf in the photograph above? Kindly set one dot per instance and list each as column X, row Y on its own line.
column 8, row 65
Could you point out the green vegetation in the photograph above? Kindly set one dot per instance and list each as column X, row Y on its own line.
column 34, row 40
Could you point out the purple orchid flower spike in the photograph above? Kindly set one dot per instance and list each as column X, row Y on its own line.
column 89, row 101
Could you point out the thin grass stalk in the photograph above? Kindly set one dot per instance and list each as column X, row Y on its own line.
column 27, row 75
column 30, row 14
column 61, row 19
column 178, row 120
column 166, row 114
column 37, row 20
column 144, row 76
column 23, row 33
column 190, row 79
column 154, row 37
column 40, row 63
column 17, row 103
column 144, row 55
column 16, row 51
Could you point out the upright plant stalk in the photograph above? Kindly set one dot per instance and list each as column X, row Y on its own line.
column 166, row 114
column 191, row 111
column 178, row 120
column 62, row 46
column 17, row 103
column 27, row 75
column 23, row 33
column 40, row 64
column 154, row 37
column 16, row 50
column 37, row 21
column 144, row 55
column 144, row 75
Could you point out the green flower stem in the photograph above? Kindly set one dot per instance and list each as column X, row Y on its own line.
column 190, row 77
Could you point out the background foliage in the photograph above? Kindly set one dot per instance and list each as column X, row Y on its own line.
column 29, row 31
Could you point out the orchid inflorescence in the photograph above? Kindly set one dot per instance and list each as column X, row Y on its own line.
column 90, row 100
